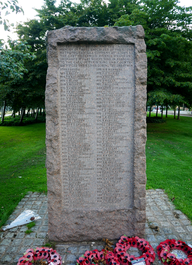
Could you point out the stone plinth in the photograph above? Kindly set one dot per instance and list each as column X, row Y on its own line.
column 96, row 132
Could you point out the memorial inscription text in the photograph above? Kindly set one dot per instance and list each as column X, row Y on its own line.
column 96, row 116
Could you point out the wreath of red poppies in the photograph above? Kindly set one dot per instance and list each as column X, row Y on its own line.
column 95, row 256
column 120, row 256
column 125, row 243
column 32, row 255
column 164, row 252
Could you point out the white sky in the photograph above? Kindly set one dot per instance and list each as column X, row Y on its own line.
column 29, row 13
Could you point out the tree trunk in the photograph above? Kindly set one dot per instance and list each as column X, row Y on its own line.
column 22, row 115
column 36, row 114
column 174, row 113
column 157, row 111
column 178, row 114
column 3, row 112
column 28, row 112
column 40, row 111
column 162, row 112
column 166, row 111
column 13, row 114
column 150, row 112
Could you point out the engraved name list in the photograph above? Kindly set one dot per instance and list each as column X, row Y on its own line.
column 97, row 118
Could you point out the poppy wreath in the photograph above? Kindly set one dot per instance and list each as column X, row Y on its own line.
column 167, row 258
column 95, row 256
column 125, row 243
column 32, row 255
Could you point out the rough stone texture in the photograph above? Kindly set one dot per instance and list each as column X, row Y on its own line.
column 96, row 132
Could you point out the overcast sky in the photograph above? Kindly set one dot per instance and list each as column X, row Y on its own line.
column 29, row 13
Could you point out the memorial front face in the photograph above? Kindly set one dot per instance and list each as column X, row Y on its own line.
column 94, row 160
column 96, row 119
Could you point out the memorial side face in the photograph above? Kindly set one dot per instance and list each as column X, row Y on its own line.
column 97, row 118
column 96, row 133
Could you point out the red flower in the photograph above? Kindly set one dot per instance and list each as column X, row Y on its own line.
column 40, row 253
column 28, row 256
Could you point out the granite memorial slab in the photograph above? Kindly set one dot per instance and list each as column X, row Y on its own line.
column 96, row 132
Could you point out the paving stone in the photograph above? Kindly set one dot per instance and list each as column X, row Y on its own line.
column 7, row 258
column 6, row 242
column 45, row 222
column 148, row 231
column 185, row 221
column 150, row 238
column 2, row 249
column 189, row 228
column 20, row 235
column 167, row 230
column 41, row 235
column 23, row 228
column 172, row 236
column 13, row 251
column 44, row 228
column 184, row 237
column 179, row 229
column 22, row 251
column 28, row 242
column 39, row 242
column 167, row 213
column 35, row 228
column 16, row 258
column 31, row 235
column 9, row 235
column 160, row 238
column 149, row 214
column 16, row 242
column 71, row 258
column 176, row 223
column 82, row 249
column 165, row 224
column 73, row 250
column 99, row 247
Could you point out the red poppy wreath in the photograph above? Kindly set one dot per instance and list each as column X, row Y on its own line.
column 32, row 256
column 95, row 256
column 125, row 243
column 120, row 256
column 164, row 252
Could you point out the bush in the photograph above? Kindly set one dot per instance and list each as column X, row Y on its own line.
column 155, row 120
column 10, row 121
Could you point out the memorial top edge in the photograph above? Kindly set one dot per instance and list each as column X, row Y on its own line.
column 111, row 35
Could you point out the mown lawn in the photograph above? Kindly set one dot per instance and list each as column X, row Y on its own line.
column 169, row 160
column 169, row 163
column 22, row 165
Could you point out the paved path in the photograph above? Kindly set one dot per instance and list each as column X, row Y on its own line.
column 163, row 222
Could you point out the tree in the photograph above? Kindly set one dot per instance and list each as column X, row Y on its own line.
column 169, row 45
column 8, row 6
column 166, row 26
column 176, row 100
column 12, row 69
column 158, row 98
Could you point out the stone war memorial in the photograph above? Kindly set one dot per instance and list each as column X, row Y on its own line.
column 96, row 132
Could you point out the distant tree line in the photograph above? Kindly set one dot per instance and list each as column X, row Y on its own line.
column 168, row 37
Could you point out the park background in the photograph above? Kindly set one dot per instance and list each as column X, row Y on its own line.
column 23, row 68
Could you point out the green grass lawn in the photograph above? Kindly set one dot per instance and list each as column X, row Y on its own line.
column 169, row 160
column 22, row 165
